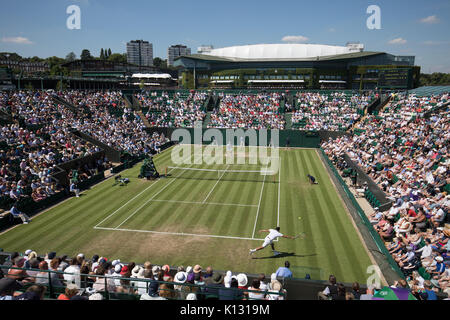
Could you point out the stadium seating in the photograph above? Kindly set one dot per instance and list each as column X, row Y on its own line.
column 403, row 149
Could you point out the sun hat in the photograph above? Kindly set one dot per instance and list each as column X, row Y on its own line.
column 197, row 268
column 115, row 262
column 90, row 290
column 275, row 285
column 191, row 296
column 32, row 255
column 118, row 268
column 242, row 279
column 124, row 270
column 27, row 252
column 155, row 269
column 137, row 272
column 96, row 296
column 217, row 278
column 180, row 277
column 188, row 269
column 166, row 268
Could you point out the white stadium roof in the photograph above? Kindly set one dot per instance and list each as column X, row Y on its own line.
column 282, row 51
column 152, row 75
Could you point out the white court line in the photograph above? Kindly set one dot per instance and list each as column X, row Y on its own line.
column 259, row 205
column 149, row 200
column 279, row 193
column 179, row 233
column 215, row 184
column 131, row 199
column 213, row 203
column 126, row 203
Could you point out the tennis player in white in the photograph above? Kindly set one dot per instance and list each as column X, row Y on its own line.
column 270, row 238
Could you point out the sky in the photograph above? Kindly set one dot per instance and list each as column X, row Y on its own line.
column 39, row 28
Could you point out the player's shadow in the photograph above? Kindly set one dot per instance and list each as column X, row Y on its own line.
column 286, row 254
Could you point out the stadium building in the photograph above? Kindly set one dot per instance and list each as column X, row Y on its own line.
column 300, row 66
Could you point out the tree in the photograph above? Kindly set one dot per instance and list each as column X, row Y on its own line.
column 71, row 56
column 109, row 52
column 85, row 55
column 12, row 56
column 118, row 57
column 141, row 84
column 159, row 63
column 102, row 54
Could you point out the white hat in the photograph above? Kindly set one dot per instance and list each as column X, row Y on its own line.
column 90, row 290
column 137, row 272
column 227, row 279
column 188, row 269
column 115, row 262
column 242, row 279
column 273, row 277
column 28, row 251
column 191, row 296
column 80, row 255
column 180, row 277
column 439, row 259
column 275, row 285
column 118, row 268
column 96, row 296
column 155, row 269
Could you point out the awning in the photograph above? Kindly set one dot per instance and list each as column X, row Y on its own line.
column 152, row 75
column 332, row 81
column 276, row 81
column 222, row 81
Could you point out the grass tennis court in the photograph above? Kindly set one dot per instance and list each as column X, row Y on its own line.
column 207, row 217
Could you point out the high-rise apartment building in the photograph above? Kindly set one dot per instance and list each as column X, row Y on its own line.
column 140, row 52
column 176, row 51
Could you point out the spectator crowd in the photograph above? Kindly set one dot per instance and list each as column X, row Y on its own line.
column 329, row 111
column 28, row 276
column 175, row 110
column 259, row 111
column 405, row 151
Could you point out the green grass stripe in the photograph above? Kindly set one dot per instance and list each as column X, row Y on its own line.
column 50, row 226
column 326, row 248
column 298, row 205
column 349, row 239
column 68, row 227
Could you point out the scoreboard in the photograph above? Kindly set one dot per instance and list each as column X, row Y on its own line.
column 395, row 78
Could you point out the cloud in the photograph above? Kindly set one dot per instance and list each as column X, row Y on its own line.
column 331, row 30
column 397, row 41
column 294, row 39
column 17, row 40
column 430, row 20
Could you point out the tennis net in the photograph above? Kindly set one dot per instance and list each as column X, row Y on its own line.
column 221, row 174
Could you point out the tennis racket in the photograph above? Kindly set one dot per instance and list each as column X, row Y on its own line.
column 301, row 235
